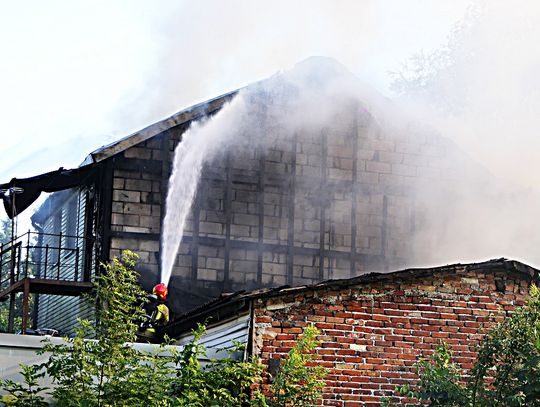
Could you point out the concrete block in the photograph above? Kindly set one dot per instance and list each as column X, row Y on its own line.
column 390, row 157
column 243, row 265
column 126, row 196
column 118, row 183
column 152, row 222
column 368, row 177
column 244, row 219
column 274, row 268
column 336, row 173
column 124, row 220
column 117, row 207
column 239, row 230
column 123, row 244
column 211, row 227
column 207, row 274
column 215, row 263
column 379, row 167
column 137, row 209
column 149, row 245
column 138, row 185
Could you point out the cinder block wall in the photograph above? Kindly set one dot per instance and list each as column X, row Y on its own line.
column 372, row 334
column 306, row 208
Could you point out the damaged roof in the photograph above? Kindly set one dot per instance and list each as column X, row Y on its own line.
column 191, row 113
column 228, row 305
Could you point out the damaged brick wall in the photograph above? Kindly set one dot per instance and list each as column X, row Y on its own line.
column 373, row 333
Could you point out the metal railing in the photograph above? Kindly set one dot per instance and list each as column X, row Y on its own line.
column 43, row 255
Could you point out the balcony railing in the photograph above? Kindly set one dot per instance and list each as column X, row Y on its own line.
column 44, row 256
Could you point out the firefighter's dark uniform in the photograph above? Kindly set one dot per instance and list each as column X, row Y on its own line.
column 156, row 315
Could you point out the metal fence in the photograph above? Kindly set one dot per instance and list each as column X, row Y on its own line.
column 43, row 255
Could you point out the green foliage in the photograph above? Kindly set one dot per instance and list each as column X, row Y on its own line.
column 223, row 382
column 297, row 383
column 5, row 230
column 104, row 371
column 506, row 372
column 107, row 371
column 27, row 394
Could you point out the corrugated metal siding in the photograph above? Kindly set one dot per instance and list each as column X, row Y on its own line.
column 61, row 312
column 220, row 337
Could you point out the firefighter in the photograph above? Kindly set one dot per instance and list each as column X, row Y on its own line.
column 156, row 313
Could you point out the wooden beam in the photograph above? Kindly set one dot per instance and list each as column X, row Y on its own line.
column 266, row 247
column 48, row 286
column 260, row 202
column 228, row 221
column 323, row 202
column 354, row 203
column 291, row 208
column 384, row 231
column 26, row 294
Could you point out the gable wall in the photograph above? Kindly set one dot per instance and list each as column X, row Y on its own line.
column 321, row 206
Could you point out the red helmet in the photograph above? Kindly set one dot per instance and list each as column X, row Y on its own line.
column 161, row 291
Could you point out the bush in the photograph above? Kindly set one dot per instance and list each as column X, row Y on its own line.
column 107, row 371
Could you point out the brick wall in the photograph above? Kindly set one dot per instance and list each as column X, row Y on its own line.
column 305, row 208
column 372, row 333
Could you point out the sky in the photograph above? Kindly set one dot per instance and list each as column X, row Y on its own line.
column 76, row 75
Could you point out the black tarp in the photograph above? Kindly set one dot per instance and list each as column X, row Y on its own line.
column 49, row 182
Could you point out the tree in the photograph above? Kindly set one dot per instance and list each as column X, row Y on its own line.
column 5, row 237
column 506, row 371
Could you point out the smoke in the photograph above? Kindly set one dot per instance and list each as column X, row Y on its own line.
column 199, row 144
column 300, row 103
column 482, row 90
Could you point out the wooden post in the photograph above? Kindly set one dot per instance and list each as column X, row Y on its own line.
column 260, row 198
column 228, row 220
column 26, row 294
column 291, row 207
column 354, row 191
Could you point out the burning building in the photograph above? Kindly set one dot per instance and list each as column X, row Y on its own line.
column 328, row 192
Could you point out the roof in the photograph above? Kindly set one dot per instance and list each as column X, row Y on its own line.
column 229, row 304
column 186, row 115
column 62, row 179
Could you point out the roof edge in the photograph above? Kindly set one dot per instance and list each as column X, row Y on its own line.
column 183, row 116
column 227, row 301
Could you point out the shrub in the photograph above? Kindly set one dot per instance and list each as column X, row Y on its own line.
column 107, row 371
column 506, row 371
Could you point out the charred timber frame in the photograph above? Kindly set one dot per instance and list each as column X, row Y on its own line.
column 323, row 201
column 353, row 190
column 260, row 202
column 290, row 213
column 228, row 221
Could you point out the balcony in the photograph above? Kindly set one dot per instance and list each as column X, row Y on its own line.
column 43, row 263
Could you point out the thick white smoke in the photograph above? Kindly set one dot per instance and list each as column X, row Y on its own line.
column 303, row 100
column 482, row 90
